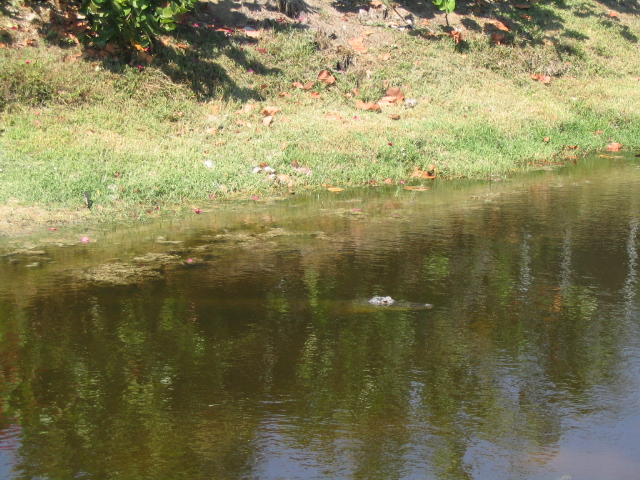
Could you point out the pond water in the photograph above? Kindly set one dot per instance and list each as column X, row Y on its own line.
column 239, row 344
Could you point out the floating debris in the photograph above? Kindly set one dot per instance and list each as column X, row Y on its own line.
column 385, row 301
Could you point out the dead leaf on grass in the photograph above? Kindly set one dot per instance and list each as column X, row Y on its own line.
column 498, row 37
column 416, row 188
column 335, row 189
column 396, row 93
column 266, row 121
column 385, row 56
column 545, row 79
column 357, row 44
column 429, row 173
column 456, row 35
column 269, row 110
column 315, row 95
column 386, row 101
column 367, row 105
column 614, row 147
column 325, row 77
column 246, row 109
column 251, row 32
column 299, row 168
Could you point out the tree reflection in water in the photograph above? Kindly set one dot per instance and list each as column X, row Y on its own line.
column 259, row 363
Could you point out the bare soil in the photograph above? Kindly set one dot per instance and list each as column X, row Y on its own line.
column 16, row 219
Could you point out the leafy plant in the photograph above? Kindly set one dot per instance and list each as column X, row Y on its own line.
column 446, row 5
column 134, row 22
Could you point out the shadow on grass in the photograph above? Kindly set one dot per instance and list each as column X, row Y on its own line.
column 204, row 40
column 527, row 21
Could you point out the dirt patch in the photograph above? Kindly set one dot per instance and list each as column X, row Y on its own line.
column 16, row 219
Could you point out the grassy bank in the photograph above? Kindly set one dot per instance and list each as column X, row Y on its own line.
column 187, row 128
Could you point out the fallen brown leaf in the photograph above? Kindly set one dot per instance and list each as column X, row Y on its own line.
column 385, row 56
column 614, row 147
column 269, row 110
column 300, row 169
column 546, row 79
column 266, row 121
column 367, row 105
column 456, row 35
column 386, row 101
column 430, row 173
column 396, row 93
column 393, row 116
column 246, row 109
column 315, row 95
column 498, row 37
column 251, row 32
column 357, row 44
column 325, row 77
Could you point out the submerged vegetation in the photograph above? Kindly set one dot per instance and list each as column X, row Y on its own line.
column 250, row 102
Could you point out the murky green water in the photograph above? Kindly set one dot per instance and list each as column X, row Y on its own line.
column 247, row 350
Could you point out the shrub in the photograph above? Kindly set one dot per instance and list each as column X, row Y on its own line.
column 133, row 22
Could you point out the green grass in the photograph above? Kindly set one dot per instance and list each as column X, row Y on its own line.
column 139, row 138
